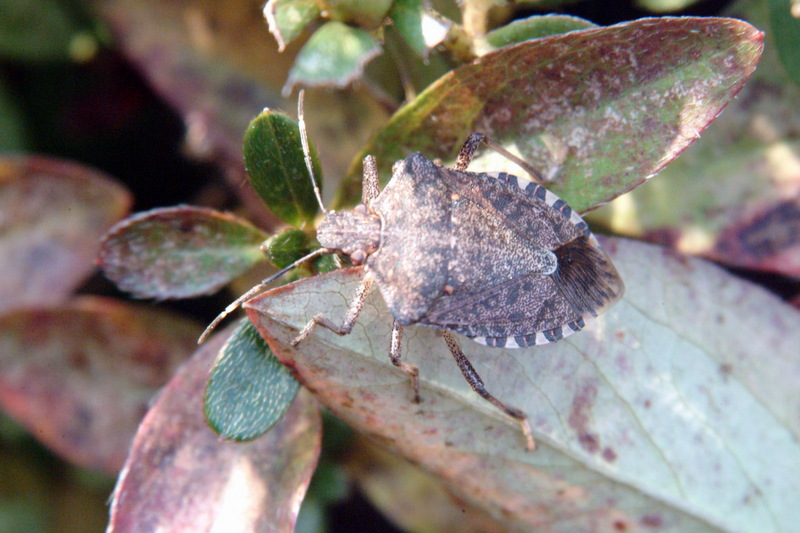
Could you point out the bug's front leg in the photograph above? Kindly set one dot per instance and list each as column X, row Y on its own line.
column 477, row 385
column 349, row 320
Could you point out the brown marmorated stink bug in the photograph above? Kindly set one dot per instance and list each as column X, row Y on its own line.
column 494, row 257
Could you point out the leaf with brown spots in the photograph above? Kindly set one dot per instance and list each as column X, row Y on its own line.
column 79, row 376
column 179, row 252
column 52, row 215
column 674, row 411
column 599, row 110
column 734, row 196
column 180, row 476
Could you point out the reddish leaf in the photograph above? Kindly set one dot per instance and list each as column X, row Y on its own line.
column 693, row 374
column 412, row 498
column 80, row 376
column 734, row 196
column 180, row 476
column 179, row 252
column 52, row 215
column 600, row 109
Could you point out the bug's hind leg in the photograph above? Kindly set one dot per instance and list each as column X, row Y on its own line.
column 477, row 385
column 408, row 368
column 467, row 153
column 349, row 320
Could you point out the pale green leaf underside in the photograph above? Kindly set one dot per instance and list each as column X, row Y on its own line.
column 679, row 405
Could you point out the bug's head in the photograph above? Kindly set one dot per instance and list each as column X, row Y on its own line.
column 356, row 233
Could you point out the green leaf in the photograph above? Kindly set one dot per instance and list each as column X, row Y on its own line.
column 249, row 390
column 273, row 157
column 180, row 476
column 693, row 373
column 785, row 23
column 420, row 28
column 597, row 122
column 287, row 18
column 368, row 14
column 535, row 27
column 665, row 6
column 13, row 133
column 287, row 247
column 179, row 252
column 333, row 57
column 327, row 263
column 54, row 213
column 45, row 30
column 79, row 376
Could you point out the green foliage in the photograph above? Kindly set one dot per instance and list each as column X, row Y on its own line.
column 785, row 22
column 273, row 157
column 286, row 247
column 45, row 30
column 249, row 389
column 334, row 56
column 287, row 18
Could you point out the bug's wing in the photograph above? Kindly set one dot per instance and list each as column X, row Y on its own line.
column 534, row 308
column 502, row 296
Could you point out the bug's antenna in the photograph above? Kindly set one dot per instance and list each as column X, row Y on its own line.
column 306, row 150
column 256, row 290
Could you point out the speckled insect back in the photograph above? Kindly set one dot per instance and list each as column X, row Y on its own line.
column 492, row 256
column 488, row 255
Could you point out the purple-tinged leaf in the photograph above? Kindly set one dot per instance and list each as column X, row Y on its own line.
column 79, row 376
column 52, row 215
column 180, row 476
column 733, row 196
column 599, row 110
column 179, row 252
column 248, row 389
column 673, row 377
column 409, row 496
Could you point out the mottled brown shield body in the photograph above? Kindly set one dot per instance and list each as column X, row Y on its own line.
column 490, row 256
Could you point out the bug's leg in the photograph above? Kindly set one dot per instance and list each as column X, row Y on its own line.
column 394, row 355
column 467, row 153
column 370, row 187
column 477, row 385
column 350, row 318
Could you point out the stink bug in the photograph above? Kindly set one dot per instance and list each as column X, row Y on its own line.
column 491, row 256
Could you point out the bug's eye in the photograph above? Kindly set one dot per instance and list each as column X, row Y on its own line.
column 361, row 209
column 358, row 257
